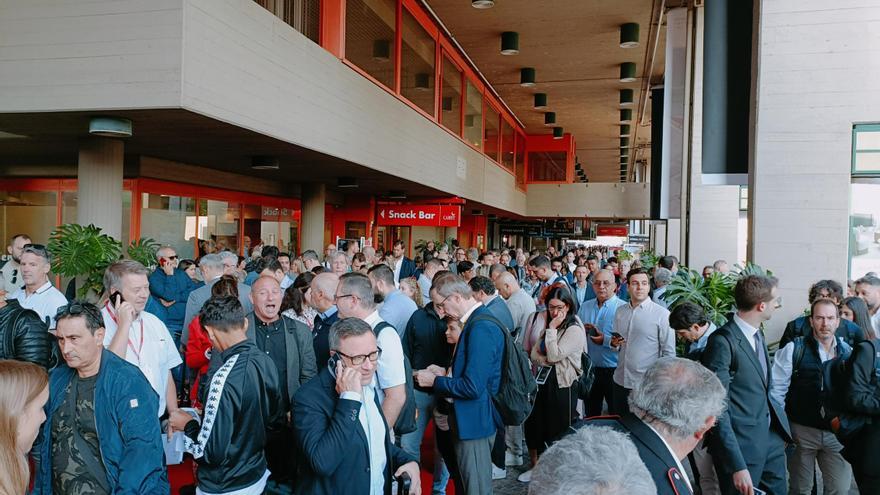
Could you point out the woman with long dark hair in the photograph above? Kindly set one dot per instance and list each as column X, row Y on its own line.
column 557, row 357
column 855, row 310
column 297, row 300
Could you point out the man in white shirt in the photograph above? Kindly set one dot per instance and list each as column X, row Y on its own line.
column 662, row 277
column 354, row 299
column 643, row 337
column 10, row 274
column 136, row 335
column 38, row 293
column 433, row 266
column 868, row 288
column 797, row 384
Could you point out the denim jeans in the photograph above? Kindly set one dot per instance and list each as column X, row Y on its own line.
column 411, row 442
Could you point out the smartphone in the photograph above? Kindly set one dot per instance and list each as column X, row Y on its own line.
column 404, row 483
column 116, row 298
column 592, row 331
column 162, row 262
column 758, row 491
column 617, row 335
column 543, row 374
column 331, row 363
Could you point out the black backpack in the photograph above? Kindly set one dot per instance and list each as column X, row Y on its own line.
column 584, row 382
column 517, row 389
column 406, row 420
column 833, row 387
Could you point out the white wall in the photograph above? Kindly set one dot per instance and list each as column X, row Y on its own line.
column 818, row 73
column 594, row 200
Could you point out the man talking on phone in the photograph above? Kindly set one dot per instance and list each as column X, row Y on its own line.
column 339, row 426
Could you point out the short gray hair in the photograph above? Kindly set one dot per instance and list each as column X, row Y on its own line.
column 114, row 273
column 164, row 249
column 357, row 284
column 225, row 255
column 869, row 280
column 339, row 254
column 453, row 284
column 662, row 275
column 595, row 460
column 676, row 396
column 345, row 328
column 211, row 262
column 718, row 264
column 310, row 254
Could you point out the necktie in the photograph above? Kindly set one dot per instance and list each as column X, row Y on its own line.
column 318, row 322
column 759, row 350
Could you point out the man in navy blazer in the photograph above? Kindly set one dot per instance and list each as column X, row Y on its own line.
column 339, row 426
column 471, row 381
column 402, row 266
column 748, row 444
column 486, row 293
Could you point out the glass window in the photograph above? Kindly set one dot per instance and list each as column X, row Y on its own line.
column 355, row 230
column 369, row 37
column 302, row 15
column 169, row 220
column 490, row 146
column 26, row 212
column 69, row 213
column 473, row 116
column 218, row 226
column 864, row 235
column 450, row 100
column 507, row 148
column 417, row 64
column 547, row 166
column 520, row 161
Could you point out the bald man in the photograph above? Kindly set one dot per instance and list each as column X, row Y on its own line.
column 323, row 298
column 519, row 302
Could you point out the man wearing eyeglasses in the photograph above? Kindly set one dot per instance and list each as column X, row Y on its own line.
column 172, row 288
column 10, row 274
column 339, row 423
column 38, row 293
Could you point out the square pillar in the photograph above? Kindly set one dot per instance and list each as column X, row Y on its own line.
column 99, row 193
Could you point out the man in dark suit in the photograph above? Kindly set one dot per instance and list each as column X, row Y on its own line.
column 339, row 426
column 671, row 409
column 323, row 292
column 211, row 266
column 748, row 444
column 474, row 378
column 402, row 266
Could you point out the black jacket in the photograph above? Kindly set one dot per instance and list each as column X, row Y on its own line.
column 652, row 450
column 321, row 336
column 249, row 401
column 851, row 333
column 24, row 336
column 407, row 268
column 740, row 438
column 424, row 341
column 334, row 449
column 863, row 398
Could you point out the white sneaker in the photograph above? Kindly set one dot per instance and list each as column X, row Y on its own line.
column 525, row 477
column 498, row 473
column 512, row 460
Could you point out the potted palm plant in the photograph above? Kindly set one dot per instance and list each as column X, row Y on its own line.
column 83, row 252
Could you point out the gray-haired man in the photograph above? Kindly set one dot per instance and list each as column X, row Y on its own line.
column 671, row 409
column 212, row 267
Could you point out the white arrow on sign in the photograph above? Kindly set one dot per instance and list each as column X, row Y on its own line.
column 382, row 213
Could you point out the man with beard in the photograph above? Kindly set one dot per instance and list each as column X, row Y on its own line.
column 10, row 274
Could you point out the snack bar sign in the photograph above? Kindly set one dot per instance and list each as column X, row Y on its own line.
column 420, row 215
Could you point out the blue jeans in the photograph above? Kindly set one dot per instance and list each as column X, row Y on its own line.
column 411, row 442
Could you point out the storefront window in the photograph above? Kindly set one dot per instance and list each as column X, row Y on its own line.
column 169, row 220
column 547, row 166
column 864, row 235
column 218, row 226
column 473, row 116
column 369, row 37
column 507, row 145
column 490, row 146
column 450, row 100
column 417, row 64
column 302, row 15
column 26, row 212
column 355, row 230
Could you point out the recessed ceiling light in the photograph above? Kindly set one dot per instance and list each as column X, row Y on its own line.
column 626, row 98
column 509, row 43
column 629, row 35
column 346, row 182
column 627, row 72
column 264, row 163
column 482, row 4
column 549, row 118
column 110, row 127
column 527, row 77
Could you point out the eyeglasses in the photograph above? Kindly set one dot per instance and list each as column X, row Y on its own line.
column 440, row 305
column 172, row 257
column 342, row 296
column 555, row 307
column 359, row 360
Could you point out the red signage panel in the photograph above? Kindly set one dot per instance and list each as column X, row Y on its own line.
column 420, row 215
column 612, row 230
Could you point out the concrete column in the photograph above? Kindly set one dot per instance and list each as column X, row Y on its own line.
column 314, row 197
column 99, row 174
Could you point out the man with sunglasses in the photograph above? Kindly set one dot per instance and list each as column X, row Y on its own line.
column 171, row 287
column 339, row 423
column 10, row 274
column 38, row 293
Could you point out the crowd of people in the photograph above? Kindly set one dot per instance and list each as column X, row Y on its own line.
column 325, row 374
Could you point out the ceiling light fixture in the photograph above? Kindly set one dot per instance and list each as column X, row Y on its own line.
column 549, row 118
column 264, row 163
column 110, row 127
column 527, row 77
column 626, row 116
column 381, row 50
column 624, row 142
column 627, row 72
column 446, row 103
column 557, row 133
column 624, row 130
column 629, row 35
column 396, row 195
column 346, row 183
column 423, row 81
column 509, row 43
column 540, row 101
column 482, row 4
column 626, row 98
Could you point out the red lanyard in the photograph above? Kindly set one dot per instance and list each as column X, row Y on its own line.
column 137, row 352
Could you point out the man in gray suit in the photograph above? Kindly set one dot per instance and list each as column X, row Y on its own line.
column 211, row 266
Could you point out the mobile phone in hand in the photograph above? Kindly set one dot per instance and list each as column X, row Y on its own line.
column 617, row 335
column 404, row 483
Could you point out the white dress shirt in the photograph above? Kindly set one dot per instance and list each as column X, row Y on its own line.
column 374, row 428
column 648, row 338
column 150, row 348
column 397, row 265
column 875, row 322
column 748, row 330
column 390, row 371
column 45, row 301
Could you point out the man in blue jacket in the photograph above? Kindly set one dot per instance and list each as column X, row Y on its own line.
column 101, row 433
column 171, row 287
column 339, row 426
column 471, row 381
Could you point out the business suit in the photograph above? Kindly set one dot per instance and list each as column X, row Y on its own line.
column 301, row 365
column 863, row 398
column 334, row 448
column 652, row 450
column 197, row 299
column 499, row 310
column 407, row 269
column 321, row 337
column 752, row 432
column 476, row 375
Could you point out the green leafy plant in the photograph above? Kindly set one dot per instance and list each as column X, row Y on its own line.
column 83, row 251
column 714, row 295
column 624, row 255
column 648, row 259
column 144, row 251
